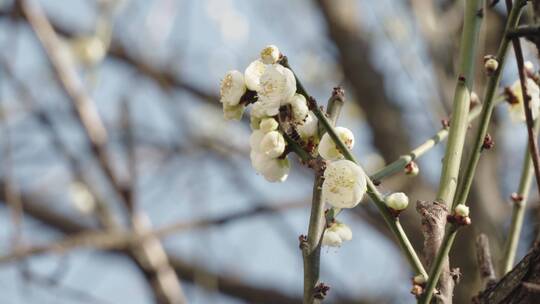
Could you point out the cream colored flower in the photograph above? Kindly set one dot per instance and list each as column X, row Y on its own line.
column 232, row 88
column 277, row 85
column 299, row 107
column 253, row 74
column 344, row 184
column 270, row 54
column 517, row 109
column 273, row 144
column 273, row 169
column 328, row 149
column 397, row 201
column 268, row 124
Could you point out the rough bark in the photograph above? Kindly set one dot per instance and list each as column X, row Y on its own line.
column 519, row 286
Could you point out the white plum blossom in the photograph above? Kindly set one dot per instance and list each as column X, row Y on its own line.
column 462, row 210
column 270, row 54
column 331, row 239
column 299, row 107
column 310, row 126
column 344, row 184
column 232, row 88
column 277, row 85
column 397, row 201
column 268, row 124
column 253, row 74
column 336, row 234
column 328, row 149
column 272, row 144
column 517, row 109
column 273, row 169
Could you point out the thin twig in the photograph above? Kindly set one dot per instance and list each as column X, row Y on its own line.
column 484, row 260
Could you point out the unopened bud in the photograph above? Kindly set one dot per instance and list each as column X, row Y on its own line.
column 462, row 210
column 397, row 201
column 270, row 54
column 419, row 279
column 490, row 64
column 412, row 169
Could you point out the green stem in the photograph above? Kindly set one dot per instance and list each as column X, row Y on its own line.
column 311, row 250
column 487, row 109
column 468, row 176
column 518, row 210
column 375, row 195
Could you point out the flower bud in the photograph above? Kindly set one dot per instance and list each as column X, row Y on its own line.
column 491, row 65
column 270, row 54
column 328, row 149
column 462, row 210
column 412, row 169
column 232, row 88
column 419, row 279
column 336, row 234
column 397, row 201
column 331, row 239
column 268, row 124
column 273, row 144
column 344, row 184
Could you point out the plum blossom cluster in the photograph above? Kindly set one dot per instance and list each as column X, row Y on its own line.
column 270, row 90
column 268, row 87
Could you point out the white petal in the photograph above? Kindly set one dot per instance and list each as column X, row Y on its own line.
column 344, row 232
column 253, row 74
column 309, row 128
column 344, row 184
column 277, row 84
column 232, row 88
column 331, row 238
column 299, row 107
column 275, row 169
column 328, row 149
column 268, row 124
column 272, row 144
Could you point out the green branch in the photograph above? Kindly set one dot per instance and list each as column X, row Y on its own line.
column 493, row 82
column 392, row 221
